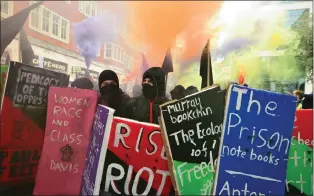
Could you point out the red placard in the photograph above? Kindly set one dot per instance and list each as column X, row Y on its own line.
column 136, row 162
column 303, row 127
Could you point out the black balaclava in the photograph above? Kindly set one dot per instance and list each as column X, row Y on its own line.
column 110, row 93
column 82, row 83
column 178, row 92
column 157, row 76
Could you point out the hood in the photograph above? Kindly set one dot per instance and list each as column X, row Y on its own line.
column 82, row 83
column 157, row 75
column 178, row 92
column 107, row 75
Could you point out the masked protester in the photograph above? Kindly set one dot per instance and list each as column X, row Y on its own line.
column 145, row 108
column 178, row 92
column 110, row 93
column 82, row 83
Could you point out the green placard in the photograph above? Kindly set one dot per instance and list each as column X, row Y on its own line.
column 300, row 168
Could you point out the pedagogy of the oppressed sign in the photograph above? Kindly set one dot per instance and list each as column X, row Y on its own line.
column 33, row 88
column 279, row 142
column 188, row 110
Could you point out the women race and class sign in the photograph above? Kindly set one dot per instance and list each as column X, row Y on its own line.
column 136, row 162
column 300, row 162
column 255, row 143
column 69, row 122
column 192, row 128
column 97, row 151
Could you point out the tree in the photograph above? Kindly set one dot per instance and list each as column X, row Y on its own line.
column 304, row 48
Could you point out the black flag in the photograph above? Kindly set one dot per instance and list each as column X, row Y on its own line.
column 27, row 52
column 167, row 65
column 206, row 71
column 11, row 26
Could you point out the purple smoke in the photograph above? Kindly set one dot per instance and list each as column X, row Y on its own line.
column 93, row 31
column 234, row 44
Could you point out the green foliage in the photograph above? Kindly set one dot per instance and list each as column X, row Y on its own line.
column 303, row 47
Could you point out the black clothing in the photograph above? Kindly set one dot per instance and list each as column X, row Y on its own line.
column 145, row 108
column 307, row 101
column 178, row 92
column 120, row 108
column 107, row 75
column 141, row 109
column 82, row 83
column 190, row 90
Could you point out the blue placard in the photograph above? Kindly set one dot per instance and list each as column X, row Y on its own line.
column 255, row 142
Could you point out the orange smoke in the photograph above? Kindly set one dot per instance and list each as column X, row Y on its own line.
column 159, row 22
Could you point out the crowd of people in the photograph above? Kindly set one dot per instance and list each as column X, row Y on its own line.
column 145, row 106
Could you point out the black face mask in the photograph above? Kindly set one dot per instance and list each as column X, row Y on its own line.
column 110, row 94
column 150, row 92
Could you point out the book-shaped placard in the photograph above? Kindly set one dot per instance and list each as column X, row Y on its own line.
column 97, row 149
column 70, row 117
column 255, row 142
column 23, row 120
column 192, row 128
column 135, row 162
column 300, row 161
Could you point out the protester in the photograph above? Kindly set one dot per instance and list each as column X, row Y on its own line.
column 299, row 94
column 82, row 83
column 110, row 93
column 145, row 108
column 190, row 90
column 307, row 102
column 178, row 92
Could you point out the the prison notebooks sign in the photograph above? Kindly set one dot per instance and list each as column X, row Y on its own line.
column 255, row 142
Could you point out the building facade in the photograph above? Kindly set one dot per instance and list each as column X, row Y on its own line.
column 49, row 30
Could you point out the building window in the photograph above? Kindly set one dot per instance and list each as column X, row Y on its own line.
column 64, row 29
column 88, row 8
column 121, row 55
column 49, row 23
column 35, row 18
column 115, row 52
column 6, row 9
column 108, row 51
column 46, row 20
column 55, row 25
column 293, row 15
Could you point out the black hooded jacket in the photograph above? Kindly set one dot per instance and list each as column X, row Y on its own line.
column 120, row 111
column 140, row 108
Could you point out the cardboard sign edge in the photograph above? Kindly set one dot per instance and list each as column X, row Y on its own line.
column 168, row 154
column 214, row 188
column 104, row 150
